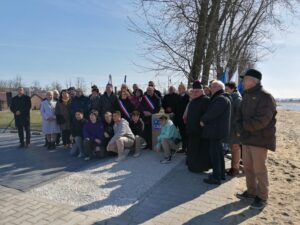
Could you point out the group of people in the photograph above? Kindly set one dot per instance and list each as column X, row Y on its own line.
column 197, row 122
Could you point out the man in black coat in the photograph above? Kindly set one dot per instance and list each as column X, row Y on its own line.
column 149, row 105
column 108, row 101
column 80, row 102
column 198, row 158
column 216, row 127
column 183, row 100
column 169, row 103
column 157, row 92
column 20, row 107
column 94, row 103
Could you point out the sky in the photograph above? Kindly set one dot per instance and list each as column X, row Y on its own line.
column 59, row 40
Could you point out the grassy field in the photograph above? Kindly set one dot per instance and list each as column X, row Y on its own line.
column 35, row 120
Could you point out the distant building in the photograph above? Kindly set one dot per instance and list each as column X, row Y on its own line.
column 36, row 100
column 3, row 101
column 9, row 93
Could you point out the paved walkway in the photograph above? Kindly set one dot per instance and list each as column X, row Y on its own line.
column 180, row 198
column 176, row 196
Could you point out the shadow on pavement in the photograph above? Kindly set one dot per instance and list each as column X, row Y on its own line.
column 226, row 214
column 177, row 188
column 24, row 168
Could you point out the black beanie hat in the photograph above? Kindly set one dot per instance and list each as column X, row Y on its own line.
column 253, row 73
column 197, row 85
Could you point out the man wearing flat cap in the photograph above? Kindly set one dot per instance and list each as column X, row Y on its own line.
column 198, row 159
column 256, row 128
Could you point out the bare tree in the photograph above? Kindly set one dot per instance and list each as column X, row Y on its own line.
column 55, row 85
column 68, row 83
column 196, row 38
column 80, row 83
column 16, row 82
column 36, row 86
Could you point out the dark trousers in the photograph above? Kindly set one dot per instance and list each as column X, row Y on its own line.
column 89, row 147
column 182, row 131
column 147, row 134
column 21, row 133
column 66, row 137
column 217, row 158
column 57, row 141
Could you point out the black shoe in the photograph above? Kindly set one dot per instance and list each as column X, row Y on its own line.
column 258, row 203
column 211, row 181
column 232, row 172
column 244, row 195
column 211, row 177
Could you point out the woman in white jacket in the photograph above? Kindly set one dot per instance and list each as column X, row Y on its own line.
column 49, row 125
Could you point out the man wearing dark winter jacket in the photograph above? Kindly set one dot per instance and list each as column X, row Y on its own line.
column 108, row 101
column 216, row 127
column 150, row 104
column 80, row 102
column 20, row 107
column 94, row 103
column 169, row 103
column 256, row 127
column 183, row 100
column 77, row 134
column 137, row 127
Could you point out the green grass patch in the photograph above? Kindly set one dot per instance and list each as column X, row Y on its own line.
column 35, row 120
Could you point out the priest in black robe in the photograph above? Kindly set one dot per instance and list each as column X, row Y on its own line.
column 198, row 159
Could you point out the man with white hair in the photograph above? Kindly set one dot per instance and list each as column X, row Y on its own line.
column 256, row 128
column 216, row 127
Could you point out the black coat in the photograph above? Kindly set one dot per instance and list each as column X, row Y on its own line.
column 82, row 103
column 198, row 159
column 108, row 104
column 77, row 127
column 94, row 103
column 182, row 102
column 217, row 117
column 156, row 92
column 235, row 105
column 22, row 104
column 144, row 106
column 137, row 128
column 128, row 106
column 196, row 110
column 109, row 129
column 170, row 101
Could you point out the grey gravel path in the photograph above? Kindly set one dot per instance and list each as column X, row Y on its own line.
column 109, row 188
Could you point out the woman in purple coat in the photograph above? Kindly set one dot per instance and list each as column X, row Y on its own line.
column 93, row 134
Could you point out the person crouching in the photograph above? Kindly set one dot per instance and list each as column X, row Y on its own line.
column 123, row 138
column 137, row 127
column 77, row 134
column 93, row 133
column 168, row 139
